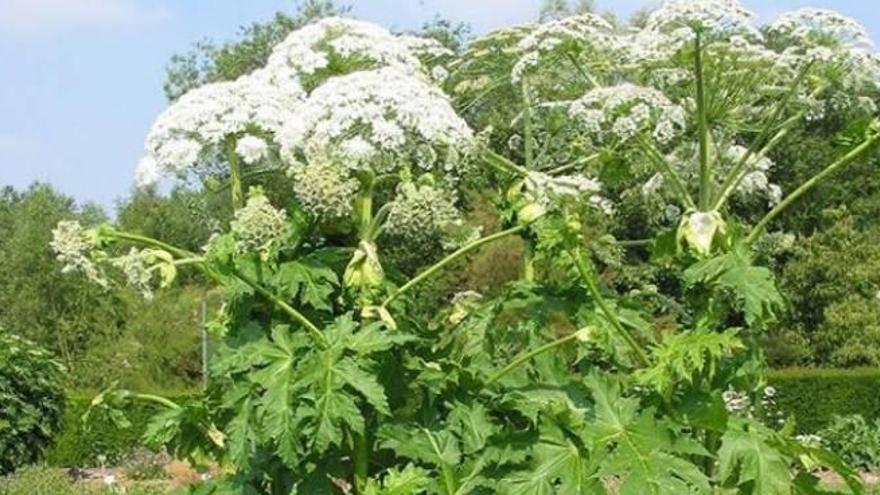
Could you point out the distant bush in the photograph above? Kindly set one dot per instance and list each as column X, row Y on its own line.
column 854, row 439
column 31, row 400
column 815, row 396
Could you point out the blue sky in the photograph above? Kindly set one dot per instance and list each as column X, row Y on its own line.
column 80, row 80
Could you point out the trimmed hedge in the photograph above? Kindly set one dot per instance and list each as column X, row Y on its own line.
column 814, row 396
column 81, row 447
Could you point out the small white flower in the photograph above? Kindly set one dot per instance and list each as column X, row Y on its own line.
column 251, row 149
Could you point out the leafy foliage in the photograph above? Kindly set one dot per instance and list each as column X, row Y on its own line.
column 32, row 394
column 606, row 367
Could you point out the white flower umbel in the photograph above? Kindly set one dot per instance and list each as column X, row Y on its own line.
column 336, row 46
column 837, row 44
column 619, row 113
column 73, row 247
column 674, row 26
column 376, row 120
column 191, row 132
column 577, row 34
column 819, row 27
column 716, row 18
column 259, row 226
column 325, row 188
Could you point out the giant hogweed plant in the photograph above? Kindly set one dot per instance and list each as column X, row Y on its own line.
column 328, row 379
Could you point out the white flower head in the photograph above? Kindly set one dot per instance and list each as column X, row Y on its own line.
column 194, row 129
column 837, row 44
column 336, row 46
column 73, row 247
column 549, row 193
column 252, row 149
column 620, row 113
column 364, row 118
column 585, row 32
column 717, row 18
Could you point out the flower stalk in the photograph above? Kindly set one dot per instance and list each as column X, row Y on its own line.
column 809, row 185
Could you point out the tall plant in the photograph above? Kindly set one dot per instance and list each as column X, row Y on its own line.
column 327, row 382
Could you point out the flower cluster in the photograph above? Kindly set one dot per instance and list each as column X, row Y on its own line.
column 259, row 226
column 718, row 18
column 837, row 44
column 420, row 215
column 372, row 119
column 586, row 32
column 674, row 25
column 548, row 192
column 336, row 46
column 819, row 27
column 619, row 113
column 73, row 247
column 136, row 270
column 325, row 188
column 194, row 129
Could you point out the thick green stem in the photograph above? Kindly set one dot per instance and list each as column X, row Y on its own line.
column 655, row 156
column 234, row 174
column 809, row 185
column 364, row 208
column 155, row 399
column 528, row 271
column 361, row 453
column 587, row 77
column 450, row 259
column 588, row 275
column 313, row 330
column 528, row 356
column 503, row 164
column 702, row 128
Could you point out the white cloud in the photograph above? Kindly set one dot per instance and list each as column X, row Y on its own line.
column 40, row 16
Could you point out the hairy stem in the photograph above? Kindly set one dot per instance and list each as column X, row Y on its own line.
column 809, row 185
column 503, row 164
column 424, row 275
column 361, row 455
column 702, row 127
column 528, row 356
column 588, row 275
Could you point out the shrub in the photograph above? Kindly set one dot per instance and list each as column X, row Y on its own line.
column 815, row 396
column 32, row 400
column 84, row 445
column 854, row 439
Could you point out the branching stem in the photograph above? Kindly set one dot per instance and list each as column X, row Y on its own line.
column 809, row 185
column 421, row 277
